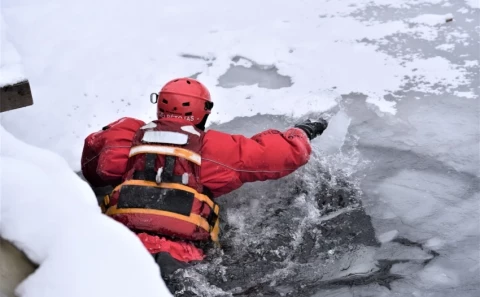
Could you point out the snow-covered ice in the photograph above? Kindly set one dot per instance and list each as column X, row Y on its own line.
column 52, row 215
column 108, row 61
column 473, row 3
column 432, row 19
column 399, row 82
column 446, row 47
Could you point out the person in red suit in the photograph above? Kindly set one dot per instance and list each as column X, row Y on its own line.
column 167, row 173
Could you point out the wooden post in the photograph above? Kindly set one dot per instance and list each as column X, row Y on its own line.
column 14, row 268
column 15, row 96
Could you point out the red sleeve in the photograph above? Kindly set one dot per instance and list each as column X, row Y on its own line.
column 228, row 161
column 105, row 152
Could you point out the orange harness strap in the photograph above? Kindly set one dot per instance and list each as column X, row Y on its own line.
column 192, row 218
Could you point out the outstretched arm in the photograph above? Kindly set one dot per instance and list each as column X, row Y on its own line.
column 272, row 154
column 228, row 161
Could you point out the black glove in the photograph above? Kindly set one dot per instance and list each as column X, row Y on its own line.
column 313, row 129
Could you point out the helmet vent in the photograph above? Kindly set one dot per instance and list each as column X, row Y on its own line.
column 208, row 105
column 162, row 110
column 186, row 104
column 165, row 101
column 188, row 113
column 188, row 82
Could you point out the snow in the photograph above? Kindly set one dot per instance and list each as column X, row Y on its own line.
column 446, row 47
column 457, row 36
column 48, row 212
column 431, row 19
column 11, row 68
column 473, row 3
column 436, row 69
column 469, row 95
column 108, row 61
column 471, row 63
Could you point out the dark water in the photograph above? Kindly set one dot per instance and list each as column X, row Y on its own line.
column 308, row 233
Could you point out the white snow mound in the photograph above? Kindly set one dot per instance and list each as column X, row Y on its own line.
column 48, row 212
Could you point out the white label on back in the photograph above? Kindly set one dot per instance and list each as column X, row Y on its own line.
column 165, row 137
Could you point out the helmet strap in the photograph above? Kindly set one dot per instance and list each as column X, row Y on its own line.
column 201, row 125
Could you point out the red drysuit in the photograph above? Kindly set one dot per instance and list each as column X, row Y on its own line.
column 227, row 162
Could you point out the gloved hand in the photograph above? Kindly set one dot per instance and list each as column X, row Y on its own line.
column 313, row 129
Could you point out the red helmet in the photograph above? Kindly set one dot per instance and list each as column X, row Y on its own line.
column 184, row 98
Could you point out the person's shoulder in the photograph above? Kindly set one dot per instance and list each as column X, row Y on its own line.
column 127, row 122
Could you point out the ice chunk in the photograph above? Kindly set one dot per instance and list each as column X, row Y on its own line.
column 333, row 138
column 360, row 262
column 438, row 276
column 427, row 205
column 382, row 104
column 448, row 47
column 434, row 243
column 387, row 236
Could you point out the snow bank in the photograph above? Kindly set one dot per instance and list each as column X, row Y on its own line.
column 48, row 212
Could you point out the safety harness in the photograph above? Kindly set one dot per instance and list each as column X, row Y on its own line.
column 162, row 193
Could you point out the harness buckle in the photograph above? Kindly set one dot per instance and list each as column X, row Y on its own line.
column 185, row 178
column 158, row 177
